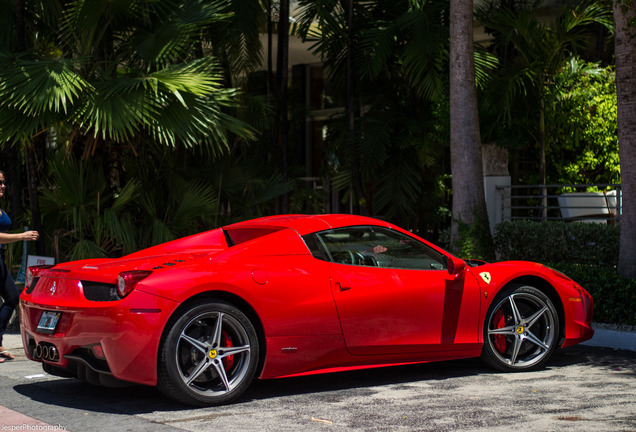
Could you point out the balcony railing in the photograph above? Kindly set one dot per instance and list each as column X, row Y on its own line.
column 567, row 202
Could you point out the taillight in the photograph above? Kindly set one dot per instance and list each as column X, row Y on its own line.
column 127, row 280
column 33, row 272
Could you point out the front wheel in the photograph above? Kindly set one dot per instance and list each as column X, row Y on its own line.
column 521, row 330
column 209, row 355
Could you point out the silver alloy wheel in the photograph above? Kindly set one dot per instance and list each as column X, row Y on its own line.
column 522, row 329
column 213, row 354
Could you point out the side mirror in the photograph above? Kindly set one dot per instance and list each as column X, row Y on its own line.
column 455, row 266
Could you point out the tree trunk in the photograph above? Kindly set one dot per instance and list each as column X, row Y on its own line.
column 10, row 157
column 270, row 83
column 34, row 202
column 542, row 162
column 282, row 65
column 359, row 207
column 469, row 206
column 625, row 49
column 19, row 20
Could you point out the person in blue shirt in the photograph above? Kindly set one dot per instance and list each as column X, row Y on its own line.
column 8, row 291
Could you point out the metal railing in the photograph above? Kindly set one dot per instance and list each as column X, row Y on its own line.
column 568, row 202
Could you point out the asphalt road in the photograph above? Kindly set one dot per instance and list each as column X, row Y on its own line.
column 583, row 388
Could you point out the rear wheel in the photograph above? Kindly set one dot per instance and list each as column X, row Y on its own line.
column 209, row 355
column 521, row 330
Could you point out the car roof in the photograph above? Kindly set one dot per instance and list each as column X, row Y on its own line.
column 305, row 224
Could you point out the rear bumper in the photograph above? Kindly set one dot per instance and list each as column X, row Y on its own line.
column 102, row 342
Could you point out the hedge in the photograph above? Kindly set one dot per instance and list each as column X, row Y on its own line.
column 588, row 253
column 558, row 242
column 614, row 296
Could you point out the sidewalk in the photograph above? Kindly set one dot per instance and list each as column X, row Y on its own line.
column 13, row 342
column 11, row 420
column 613, row 336
column 15, row 421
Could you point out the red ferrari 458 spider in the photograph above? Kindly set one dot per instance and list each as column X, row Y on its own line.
column 202, row 316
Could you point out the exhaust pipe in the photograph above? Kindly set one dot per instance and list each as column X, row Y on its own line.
column 53, row 353
column 46, row 351
column 38, row 351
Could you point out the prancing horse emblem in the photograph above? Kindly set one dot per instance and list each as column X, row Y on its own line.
column 485, row 276
column 53, row 288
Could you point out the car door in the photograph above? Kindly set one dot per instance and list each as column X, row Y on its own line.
column 394, row 294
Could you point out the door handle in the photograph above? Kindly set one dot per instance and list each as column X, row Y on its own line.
column 342, row 288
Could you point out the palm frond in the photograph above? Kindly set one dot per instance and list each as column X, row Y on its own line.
column 197, row 199
column 87, row 22
column 86, row 248
column 119, row 229
column 171, row 39
column 485, row 65
column 239, row 36
column 425, row 52
column 183, row 104
column 399, row 186
column 7, row 24
column 38, row 87
column 270, row 189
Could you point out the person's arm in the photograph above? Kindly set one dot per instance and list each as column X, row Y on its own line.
column 12, row 238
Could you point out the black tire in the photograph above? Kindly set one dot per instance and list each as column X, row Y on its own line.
column 521, row 330
column 208, row 355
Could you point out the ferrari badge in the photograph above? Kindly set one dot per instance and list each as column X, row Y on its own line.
column 485, row 276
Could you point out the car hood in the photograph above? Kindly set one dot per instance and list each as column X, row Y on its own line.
column 503, row 271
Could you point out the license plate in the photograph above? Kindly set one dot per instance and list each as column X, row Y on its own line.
column 49, row 321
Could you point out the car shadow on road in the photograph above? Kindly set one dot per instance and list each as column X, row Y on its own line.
column 439, row 371
column 609, row 358
column 71, row 393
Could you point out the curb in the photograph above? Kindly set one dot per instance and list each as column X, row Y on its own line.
column 613, row 336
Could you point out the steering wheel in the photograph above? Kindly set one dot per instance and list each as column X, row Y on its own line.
column 349, row 257
column 358, row 258
column 343, row 257
column 369, row 260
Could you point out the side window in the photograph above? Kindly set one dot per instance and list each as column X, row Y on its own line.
column 315, row 246
column 376, row 247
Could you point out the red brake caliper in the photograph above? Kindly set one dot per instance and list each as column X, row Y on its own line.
column 499, row 321
column 227, row 342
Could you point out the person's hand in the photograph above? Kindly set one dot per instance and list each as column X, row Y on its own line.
column 30, row 235
column 379, row 249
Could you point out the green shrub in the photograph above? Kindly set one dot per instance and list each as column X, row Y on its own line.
column 588, row 253
column 614, row 296
column 558, row 242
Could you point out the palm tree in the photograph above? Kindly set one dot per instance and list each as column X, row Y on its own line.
column 336, row 43
column 124, row 70
column 384, row 61
column 351, row 102
column 541, row 51
column 19, row 15
column 115, row 77
column 624, row 18
column 282, row 80
column 469, row 205
column 83, row 215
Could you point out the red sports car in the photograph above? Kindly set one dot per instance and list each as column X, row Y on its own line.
column 281, row 296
